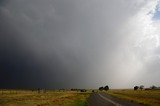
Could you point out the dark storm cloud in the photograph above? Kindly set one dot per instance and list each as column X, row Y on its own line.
column 65, row 43
column 32, row 49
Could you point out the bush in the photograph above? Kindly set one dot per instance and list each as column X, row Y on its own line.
column 136, row 87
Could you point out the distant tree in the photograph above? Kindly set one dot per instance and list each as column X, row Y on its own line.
column 153, row 87
column 136, row 87
column 101, row 88
column 141, row 87
column 106, row 88
column 83, row 90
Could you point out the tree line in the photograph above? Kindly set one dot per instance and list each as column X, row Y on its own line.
column 141, row 87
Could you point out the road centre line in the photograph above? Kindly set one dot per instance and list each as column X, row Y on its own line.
column 116, row 104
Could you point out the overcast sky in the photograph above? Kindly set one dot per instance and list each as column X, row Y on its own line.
column 79, row 43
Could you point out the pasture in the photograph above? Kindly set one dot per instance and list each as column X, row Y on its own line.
column 145, row 97
column 48, row 98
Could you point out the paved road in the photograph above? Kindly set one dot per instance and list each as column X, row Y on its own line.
column 103, row 99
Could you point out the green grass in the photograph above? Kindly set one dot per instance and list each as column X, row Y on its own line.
column 82, row 100
column 50, row 98
column 145, row 97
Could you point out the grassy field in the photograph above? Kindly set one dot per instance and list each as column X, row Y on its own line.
column 50, row 98
column 145, row 97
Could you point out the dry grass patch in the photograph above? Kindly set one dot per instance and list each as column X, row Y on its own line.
column 149, row 98
column 50, row 98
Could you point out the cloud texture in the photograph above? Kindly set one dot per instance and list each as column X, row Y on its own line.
column 79, row 43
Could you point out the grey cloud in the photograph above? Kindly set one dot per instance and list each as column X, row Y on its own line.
column 66, row 43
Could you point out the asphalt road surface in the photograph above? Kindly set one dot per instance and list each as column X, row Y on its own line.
column 103, row 99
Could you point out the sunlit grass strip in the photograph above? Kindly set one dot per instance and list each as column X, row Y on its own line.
column 147, row 98
column 136, row 100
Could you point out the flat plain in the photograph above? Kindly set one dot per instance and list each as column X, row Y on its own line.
column 74, row 98
column 47, row 98
column 144, row 97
